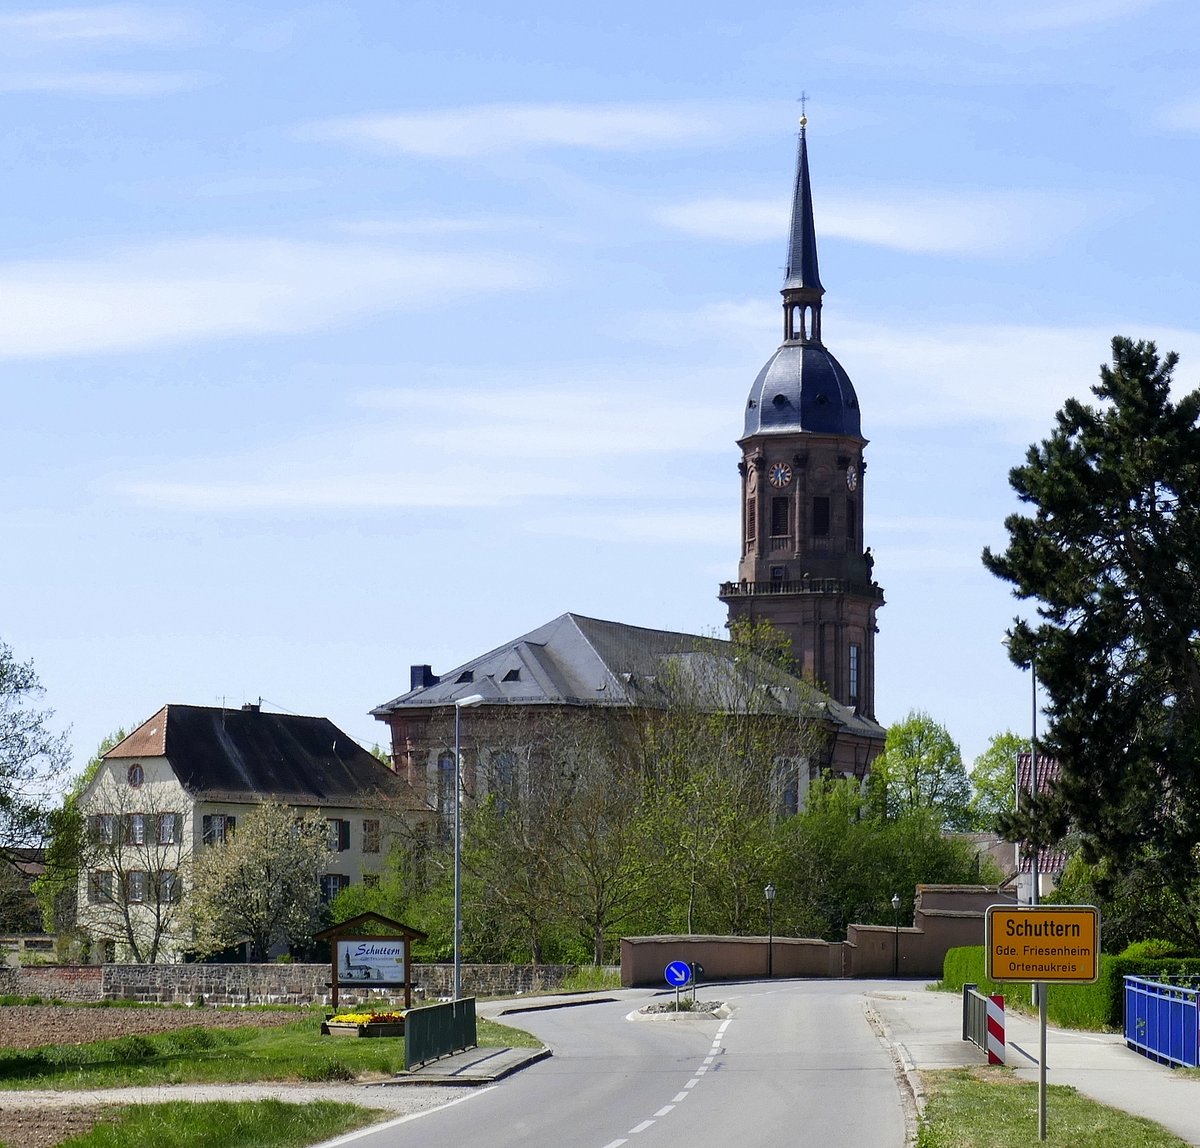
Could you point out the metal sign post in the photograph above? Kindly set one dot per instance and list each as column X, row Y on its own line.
column 1041, row 944
column 678, row 973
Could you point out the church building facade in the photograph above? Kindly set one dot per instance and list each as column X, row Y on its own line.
column 803, row 568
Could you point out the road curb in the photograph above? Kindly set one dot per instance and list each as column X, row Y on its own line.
column 908, row 1077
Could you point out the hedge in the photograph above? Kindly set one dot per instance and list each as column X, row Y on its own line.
column 1094, row 1006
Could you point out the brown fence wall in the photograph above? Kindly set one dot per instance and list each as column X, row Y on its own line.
column 945, row 917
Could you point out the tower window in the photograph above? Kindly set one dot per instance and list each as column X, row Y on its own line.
column 751, row 519
column 820, row 518
column 779, row 517
column 854, row 674
column 851, row 520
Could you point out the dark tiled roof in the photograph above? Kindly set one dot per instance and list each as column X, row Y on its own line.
column 1050, row 860
column 580, row 661
column 247, row 755
column 802, row 388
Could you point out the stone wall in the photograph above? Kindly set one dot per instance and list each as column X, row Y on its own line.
column 60, row 982
column 260, row 984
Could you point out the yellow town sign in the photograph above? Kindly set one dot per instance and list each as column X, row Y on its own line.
column 1043, row 943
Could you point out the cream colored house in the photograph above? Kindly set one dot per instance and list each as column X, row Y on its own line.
column 182, row 780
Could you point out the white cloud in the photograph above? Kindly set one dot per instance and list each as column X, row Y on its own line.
column 1181, row 116
column 1030, row 15
column 939, row 223
column 112, row 23
column 500, row 445
column 485, row 129
column 102, row 83
column 218, row 287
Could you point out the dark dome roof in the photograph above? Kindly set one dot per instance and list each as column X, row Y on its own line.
column 802, row 388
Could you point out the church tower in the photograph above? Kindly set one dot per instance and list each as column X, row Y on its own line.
column 803, row 567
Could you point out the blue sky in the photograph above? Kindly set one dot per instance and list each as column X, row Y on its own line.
column 343, row 336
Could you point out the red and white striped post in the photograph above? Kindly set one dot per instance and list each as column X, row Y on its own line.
column 995, row 1029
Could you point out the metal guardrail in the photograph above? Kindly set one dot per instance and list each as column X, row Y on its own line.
column 1162, row 1021
column 438, row 1030
column 983, row 1023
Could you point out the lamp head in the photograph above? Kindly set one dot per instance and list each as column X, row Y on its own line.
column 895, row 902
column 470, row 700
column 770, row 892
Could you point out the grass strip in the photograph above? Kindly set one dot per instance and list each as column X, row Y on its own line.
column 225, row 1124
column 198, row 1055
column 992, row 1108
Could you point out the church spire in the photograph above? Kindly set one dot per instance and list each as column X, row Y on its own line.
column 802, row 288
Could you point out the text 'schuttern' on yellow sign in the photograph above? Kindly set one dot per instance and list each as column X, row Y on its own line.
column 1043, row 942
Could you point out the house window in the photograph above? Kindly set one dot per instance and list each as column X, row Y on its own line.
column 445, row 782
column 136, row 776
column 787, row 787
column 331, row 885
column 504, row 779
column 370, row 836
column 170, row 889
column 217, row 828
column 780, row 518
column 135, row 886
column 854, row 674
column 339, row 834
column 100, row 887
column 135, row 829
column 820, row 518
column 168, row 828
column 106, row 828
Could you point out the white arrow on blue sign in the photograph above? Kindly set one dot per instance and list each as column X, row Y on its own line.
column 678, row 973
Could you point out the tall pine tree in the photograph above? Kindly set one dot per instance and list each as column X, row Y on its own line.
column 1111, row 556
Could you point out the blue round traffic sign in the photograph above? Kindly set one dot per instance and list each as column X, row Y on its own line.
column 678, row 973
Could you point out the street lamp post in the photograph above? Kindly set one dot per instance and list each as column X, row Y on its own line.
column 459, row 705
column 769, row 892
column 895, row 934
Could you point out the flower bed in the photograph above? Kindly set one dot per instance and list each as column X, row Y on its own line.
column 364, row 1024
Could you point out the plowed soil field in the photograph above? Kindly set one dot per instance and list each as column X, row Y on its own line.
column 27, row 1026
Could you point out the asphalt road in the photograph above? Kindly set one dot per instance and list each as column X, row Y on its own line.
column 795, row 1064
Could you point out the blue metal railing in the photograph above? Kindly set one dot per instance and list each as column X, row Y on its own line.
column 437, row 1030
column 1162, row 1022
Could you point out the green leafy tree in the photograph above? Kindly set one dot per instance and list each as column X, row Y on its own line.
column 921, row 768
column 261, row 884
column 994, row 779
column 725, row 758
column 1110, row 554
column 32, row 757
column 843, row 858
column 57, row 888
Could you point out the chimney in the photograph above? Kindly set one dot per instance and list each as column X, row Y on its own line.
column 421, row 677
column 251, row 707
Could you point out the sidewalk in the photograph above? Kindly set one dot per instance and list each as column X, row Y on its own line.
column 926, row 1029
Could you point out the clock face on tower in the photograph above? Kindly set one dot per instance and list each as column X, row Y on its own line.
column 852, row 477
column 779, row 474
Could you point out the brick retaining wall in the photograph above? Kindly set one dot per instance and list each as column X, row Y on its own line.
column 258, row 984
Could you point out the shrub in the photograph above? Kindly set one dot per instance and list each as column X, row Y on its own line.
column 1099, row 1005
